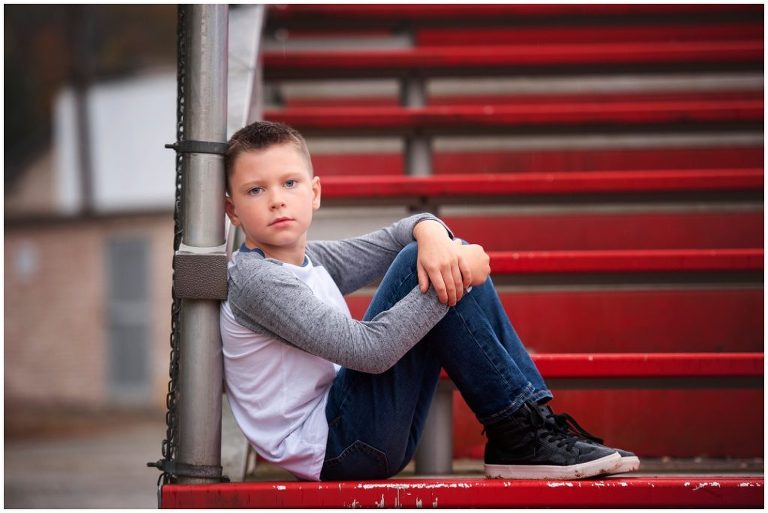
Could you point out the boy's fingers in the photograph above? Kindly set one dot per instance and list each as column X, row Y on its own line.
column 450, row 287
column 457, row 282
column 423, row 280
column 439, row 285
column 466, row 273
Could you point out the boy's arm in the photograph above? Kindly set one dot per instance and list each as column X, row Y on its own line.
column 266, row 298
column 356, row 262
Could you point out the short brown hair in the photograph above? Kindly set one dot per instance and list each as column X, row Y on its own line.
column 261, row 135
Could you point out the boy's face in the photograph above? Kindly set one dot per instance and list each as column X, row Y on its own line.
column 272, row 197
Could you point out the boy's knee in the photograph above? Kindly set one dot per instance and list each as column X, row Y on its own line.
column 408, row 255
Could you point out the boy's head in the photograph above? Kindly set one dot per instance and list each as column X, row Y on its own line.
column 271, row 190
column 261, row 135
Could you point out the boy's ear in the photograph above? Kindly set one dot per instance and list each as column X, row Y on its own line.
column 316, row 193
column 229, row 208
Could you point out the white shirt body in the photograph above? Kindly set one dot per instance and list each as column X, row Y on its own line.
column 278, row 392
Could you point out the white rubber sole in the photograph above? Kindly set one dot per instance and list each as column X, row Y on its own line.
column 627, row 464
column 604, row 465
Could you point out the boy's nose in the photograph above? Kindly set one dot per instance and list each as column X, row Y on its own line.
column 277, row 201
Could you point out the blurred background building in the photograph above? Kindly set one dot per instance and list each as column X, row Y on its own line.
column 90, row 97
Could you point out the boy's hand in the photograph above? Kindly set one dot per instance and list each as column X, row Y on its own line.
column 477, row 260
column 441, row 262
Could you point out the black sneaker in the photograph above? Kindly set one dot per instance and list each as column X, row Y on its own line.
column 567, row 424
column 527, row 447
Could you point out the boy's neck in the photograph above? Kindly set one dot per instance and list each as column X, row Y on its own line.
column 294, row 256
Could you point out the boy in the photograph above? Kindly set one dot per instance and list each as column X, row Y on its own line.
column 330, row 398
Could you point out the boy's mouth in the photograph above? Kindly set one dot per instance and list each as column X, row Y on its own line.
column 280, row 220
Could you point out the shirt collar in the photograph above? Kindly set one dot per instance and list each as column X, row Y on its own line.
column 246, row 249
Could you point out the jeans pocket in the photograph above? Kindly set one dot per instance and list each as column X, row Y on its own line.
column 358, row 461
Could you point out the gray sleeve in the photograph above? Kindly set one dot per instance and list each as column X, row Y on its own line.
column 263, row 296
column 356, row 262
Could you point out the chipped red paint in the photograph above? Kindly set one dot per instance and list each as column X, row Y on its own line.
column 447, row 493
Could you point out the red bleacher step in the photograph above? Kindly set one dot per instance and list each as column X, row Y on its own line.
column 630, row 321
column 507, row 58
column 506, row 98
column 503, row 184
column 594, row 230
column 376, row 15
column 589, row 34
column 503, row 161
column 649, row 492
column 609, row 261
column 467, row 117
column 647, row 365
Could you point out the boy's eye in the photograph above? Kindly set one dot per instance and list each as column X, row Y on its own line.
column 255, row 190
column 290, row 183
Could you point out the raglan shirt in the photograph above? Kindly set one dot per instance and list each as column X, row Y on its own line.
column 286, row 330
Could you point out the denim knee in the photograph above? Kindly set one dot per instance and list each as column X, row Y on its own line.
column 407, row 256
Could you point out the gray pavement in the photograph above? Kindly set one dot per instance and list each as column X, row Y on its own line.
column 102, row 468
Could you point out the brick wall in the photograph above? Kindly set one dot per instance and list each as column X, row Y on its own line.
column 56, row 311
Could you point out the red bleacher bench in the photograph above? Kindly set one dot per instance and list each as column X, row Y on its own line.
column 623, row 260
column 647, row 492
column 372, row 15
column 510, row 59
column 509, row 117
column 500, row 98
column 650, row 365
column 449, row 36
column 647, row 365
column 398, row 187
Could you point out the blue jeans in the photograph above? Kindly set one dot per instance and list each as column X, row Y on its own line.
column 376, row 420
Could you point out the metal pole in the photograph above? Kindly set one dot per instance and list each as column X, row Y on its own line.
column 434, row 456
column 205, row 116
column 418, row 147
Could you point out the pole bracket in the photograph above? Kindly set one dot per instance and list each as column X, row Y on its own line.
column 192, row 146
column 200, row 273
column 175, row 468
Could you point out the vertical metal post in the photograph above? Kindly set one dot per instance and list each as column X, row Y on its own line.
column 418, row 150
column 434, row 455
column 205, row 116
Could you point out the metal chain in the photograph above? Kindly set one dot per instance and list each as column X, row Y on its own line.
column 170, row 443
